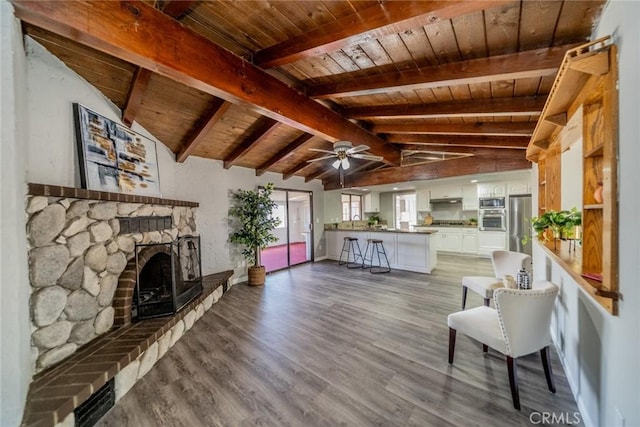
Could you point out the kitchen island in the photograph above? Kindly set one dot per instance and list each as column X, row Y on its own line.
column 406, row 250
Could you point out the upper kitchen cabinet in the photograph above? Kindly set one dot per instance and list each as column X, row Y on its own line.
column 446, row 192
column 491, row 189
column 372, row 202
column 470, row 198
column 423, row 200
column 519, row 187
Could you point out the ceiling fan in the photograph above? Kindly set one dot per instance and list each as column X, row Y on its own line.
column 342, row 150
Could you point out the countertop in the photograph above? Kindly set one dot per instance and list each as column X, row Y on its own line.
column 389, row 230
column 447, row 226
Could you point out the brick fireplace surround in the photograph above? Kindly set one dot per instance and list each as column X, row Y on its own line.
column 126, row 352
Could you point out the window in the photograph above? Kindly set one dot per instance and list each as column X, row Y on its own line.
column 280, row 212
column 351, row 207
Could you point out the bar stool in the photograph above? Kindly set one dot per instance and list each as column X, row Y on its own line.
column 378, row 248
column 349, row 247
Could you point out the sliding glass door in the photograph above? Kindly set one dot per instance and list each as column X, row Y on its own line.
column 294, row 245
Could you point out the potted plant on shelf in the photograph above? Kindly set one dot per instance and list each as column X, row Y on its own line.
column 251, row 218
column 561, row 225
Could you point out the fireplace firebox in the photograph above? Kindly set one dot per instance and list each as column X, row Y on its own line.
column 170, row 277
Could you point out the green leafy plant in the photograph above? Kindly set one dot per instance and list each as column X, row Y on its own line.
column 251, row 216
column 373, row 220
column 561, row 223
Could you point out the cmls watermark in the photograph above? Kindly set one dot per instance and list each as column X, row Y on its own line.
column 563, row 418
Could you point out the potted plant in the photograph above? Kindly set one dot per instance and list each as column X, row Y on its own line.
column 562, row 224
column 251, row 216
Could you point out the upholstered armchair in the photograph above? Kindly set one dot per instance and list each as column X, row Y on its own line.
column 504, row 263
column 518, row 325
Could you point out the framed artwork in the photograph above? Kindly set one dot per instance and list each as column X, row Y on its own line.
column 114, row 158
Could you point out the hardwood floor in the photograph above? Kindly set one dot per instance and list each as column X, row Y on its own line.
column 322, row 345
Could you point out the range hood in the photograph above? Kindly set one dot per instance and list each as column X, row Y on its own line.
column 450, row 200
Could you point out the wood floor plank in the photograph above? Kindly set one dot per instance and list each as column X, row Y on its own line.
column 321, row 345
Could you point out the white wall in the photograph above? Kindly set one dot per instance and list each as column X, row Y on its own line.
column 600, row 352
column 15, row 351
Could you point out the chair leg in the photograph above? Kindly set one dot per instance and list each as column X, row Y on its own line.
column 512, row 367
column 487, row 302
column 464, row 296
column 485, row 348
column 546, row 364
column 452, row 343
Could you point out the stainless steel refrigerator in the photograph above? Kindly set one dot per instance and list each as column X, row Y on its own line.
column 519, row 223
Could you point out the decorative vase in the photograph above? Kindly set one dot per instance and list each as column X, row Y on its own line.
column 597, row 194
column 256, row 275
column 428, row 220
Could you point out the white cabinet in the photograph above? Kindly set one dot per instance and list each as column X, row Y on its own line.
column 519, row 187
column 422, row 201
column 454, row 242
column 470, row 240
column 372, row 202
column 446, row 191
column 491, row 190
column 470, row 198
column 448, row 239
column 489, row 241
column 334, row 240
column 389, row 241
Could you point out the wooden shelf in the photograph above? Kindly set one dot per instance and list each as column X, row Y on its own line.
column 597, row 151
column 593, row 206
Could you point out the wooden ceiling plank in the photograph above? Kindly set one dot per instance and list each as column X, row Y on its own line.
column 139, row 85
column 365, row 25
column 263, row 131
column 130, row 31
column 459, row 140
column 533, row 63
column 295, row 169
column 521, row 106
column 434, row 170
column 476, row 151
column 178, row 8
column 290, row 148
column 480, row 128
column 318, row 174
column 207, row 122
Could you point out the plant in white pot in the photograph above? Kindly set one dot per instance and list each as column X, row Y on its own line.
column 252, row 222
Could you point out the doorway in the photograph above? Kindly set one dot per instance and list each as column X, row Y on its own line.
column 405, row 211
column 294, row 246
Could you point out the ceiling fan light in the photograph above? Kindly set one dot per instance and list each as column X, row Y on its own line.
column 345, row 163
column 336, row 164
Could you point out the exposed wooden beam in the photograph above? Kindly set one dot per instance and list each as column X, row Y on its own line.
column 533, row 63
column 266, row 128
column 129, row 30
column 319, row 173
column 520, row 142
column 289, row 149
column 365, row 25
column 434, row 170
column 476, row 151
column 178, row 8
column 481, row 128
column 138, row 86
column 522, row 106
column 213, row 116
column 294, row 170
column 557, row 119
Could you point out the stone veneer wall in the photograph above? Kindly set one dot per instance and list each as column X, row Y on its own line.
column 75, row 258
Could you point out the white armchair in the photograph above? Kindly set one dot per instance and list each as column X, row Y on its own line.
column 519, row 325
column 504, row 263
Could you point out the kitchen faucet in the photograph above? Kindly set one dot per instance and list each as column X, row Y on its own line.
column 353, row 218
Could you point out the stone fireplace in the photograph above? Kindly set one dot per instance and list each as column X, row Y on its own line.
column 86, row 249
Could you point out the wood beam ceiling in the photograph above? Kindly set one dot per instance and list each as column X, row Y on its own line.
column 533, row 63
column 295, row 169
column 480, row 128
column 435, row 170
column 206, row 123
column 368, row 24
column 476, row 151
column 129, row 30
column 520, row 142
column 178, row 8
column 522, row 106
column 286, row 151
column 138, row 86
column 265, row 128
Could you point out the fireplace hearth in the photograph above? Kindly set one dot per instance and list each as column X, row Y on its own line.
column 169, row 276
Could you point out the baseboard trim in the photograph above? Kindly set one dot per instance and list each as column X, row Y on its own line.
column 320, row 258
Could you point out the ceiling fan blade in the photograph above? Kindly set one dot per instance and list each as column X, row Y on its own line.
column 358, row 149
column 367, row 157
column 345, row 164
column 321, row 150
column 320, row 158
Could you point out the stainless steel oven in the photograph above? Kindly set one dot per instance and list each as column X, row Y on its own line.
column 493, row 220
column 492, row 203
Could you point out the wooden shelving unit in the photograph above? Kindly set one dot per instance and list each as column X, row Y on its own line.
column 586, row 84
